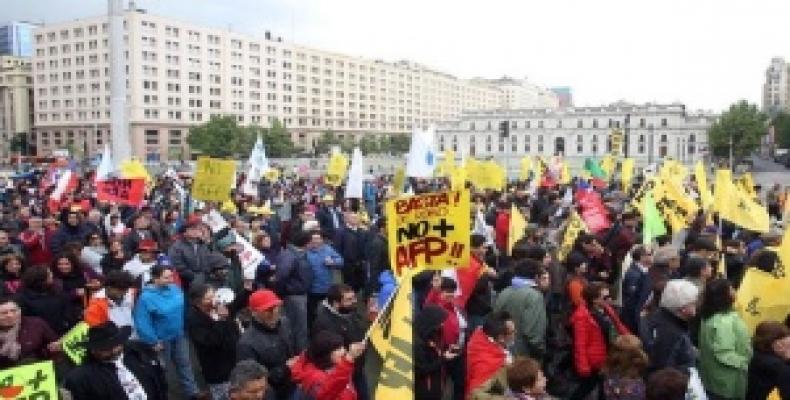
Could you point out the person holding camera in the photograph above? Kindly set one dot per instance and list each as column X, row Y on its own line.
column 214, row 333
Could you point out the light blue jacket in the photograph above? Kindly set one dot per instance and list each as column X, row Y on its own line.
column 159, row 314
column 322, row 277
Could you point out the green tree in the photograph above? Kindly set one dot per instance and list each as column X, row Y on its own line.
column 781, row 124
column 276, row 140
column 369, row 144
column 325, row 142
column 220, row 137
column 744, row 124
column 395, row 144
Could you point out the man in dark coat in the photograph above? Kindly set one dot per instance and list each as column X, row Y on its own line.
column 270, row 342
column 350, row 243
column 116, row 369
column 339, row 314
column 636, row 287
column 72, row 230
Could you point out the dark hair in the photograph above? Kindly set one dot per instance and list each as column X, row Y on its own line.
column 321, row 347
column 528, row 268
column 476, row 240
column 448, row 285
column 704, row 243
column 494, row 324
column 35, row 278
column 9, row 299
column 764, row 260
column 523, row 373
column 666, row 384
column 592, row 291
column 639, row 252
column 4, row 260
column 520, row 249
column 197, row 291
column 536, row 253
column 335, row 292
column 244, row 372
column 766, row 333
column 583, row 238
column 625, row 358
column 716, row 298
column 118, row 279
column 158, row 269
column 695, row 265
column 574, row 261
column 301, row 238
column 76, row 266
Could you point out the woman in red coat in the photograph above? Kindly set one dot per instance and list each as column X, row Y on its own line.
column 595, row 326
column 323, row 371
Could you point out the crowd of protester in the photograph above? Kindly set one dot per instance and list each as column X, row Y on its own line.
column 168, row 305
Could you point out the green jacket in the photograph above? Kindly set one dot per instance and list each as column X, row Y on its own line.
column 528, row 310
column 725, row 352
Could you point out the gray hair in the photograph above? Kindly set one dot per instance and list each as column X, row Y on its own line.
column 245, row 371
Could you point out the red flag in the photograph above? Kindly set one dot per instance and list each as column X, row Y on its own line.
column 467, row 280
column 483, row 359
column 123, row 191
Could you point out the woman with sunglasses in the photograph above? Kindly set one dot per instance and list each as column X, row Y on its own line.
column 595, row 328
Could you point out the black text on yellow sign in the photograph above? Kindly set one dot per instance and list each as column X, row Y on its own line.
column 429, row 231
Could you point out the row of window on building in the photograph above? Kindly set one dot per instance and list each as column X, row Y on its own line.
column 527, row 124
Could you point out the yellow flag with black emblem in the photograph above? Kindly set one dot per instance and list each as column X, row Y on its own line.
column 706, row 199
column 762, row 297
column 738, row 207
column 396, row 380
column 336, row 169
column 574, row 227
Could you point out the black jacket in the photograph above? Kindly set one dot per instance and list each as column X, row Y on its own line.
column 350, row 327
column 270, row 348
column 54, row 307
column 215, row 344
column 293, row 275
column 428, row 362
column 766, row 372
column 377, row 256
column 97, row 380
column 667, row 341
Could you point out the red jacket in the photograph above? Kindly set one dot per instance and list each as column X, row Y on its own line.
column 451, row 328
column 467, row 279
column 589, row 344
column 333, row 384
column 484, row 358
column 37, row 246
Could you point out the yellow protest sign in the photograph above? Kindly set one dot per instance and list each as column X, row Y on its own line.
column 336, row 169
column 429, row 231
column 32, row 381
column 272, row 174
column 397, row 371
column 575, row 226
column 213, row 179
column 73, row 340
column 627, row 173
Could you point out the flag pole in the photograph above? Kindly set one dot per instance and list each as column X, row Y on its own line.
column 386, row 304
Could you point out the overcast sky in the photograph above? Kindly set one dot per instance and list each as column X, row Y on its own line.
column 705, row 53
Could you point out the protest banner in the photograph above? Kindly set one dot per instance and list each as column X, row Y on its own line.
column 336, row 169
column 429, row 231
column 121, row 191
column 73, row 340
column 29, row 382
column 397, row 372
column 213, row 179
column 249, row 256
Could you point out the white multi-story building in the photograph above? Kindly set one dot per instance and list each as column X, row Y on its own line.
column 776, row 89
column 16, row 111
column 651, row 132
column 181, row 74
column 520, row 93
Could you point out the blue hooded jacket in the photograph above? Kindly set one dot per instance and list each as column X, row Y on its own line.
column 322, row 277
column 159, row 314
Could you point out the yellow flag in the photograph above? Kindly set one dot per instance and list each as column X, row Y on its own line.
column 485, row 174
column 397, row 372
column 458, row 178
column 762, row 297
column 607, row 165
column 516, row 229
column 526, row 168
column 134, row 169
column 627, row 172
column 447, row 166
column 336, row 169
column 272, row 174
column 746, row 184
column 575, row 226
column 565, row 174
column 738, row 207
column 213, row 179
column 702, row 185
column 399, row 180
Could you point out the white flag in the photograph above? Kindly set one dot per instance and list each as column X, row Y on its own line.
column 258, row 164
column 105, row 168
column 421, row 160
column 355, row 173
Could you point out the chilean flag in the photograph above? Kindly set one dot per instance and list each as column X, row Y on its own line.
column 66, row 183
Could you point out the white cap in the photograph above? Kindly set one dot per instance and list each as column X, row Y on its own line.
column 679, row 293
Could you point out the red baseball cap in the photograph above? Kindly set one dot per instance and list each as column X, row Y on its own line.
column 263, row 299
column 147, row 245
